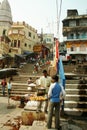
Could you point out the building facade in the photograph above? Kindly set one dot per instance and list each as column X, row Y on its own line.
column 75, row 31
column 19, row 37
column 15, row 38
column 23, row 38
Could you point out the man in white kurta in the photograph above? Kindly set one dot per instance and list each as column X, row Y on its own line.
column 44, row 82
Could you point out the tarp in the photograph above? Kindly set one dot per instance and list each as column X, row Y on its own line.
column 61, row 72
column 20, row 55
column 62, row 77
column 8, row 72
column 27, row 52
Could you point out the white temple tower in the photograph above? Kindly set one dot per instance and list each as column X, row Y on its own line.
column 5, row 17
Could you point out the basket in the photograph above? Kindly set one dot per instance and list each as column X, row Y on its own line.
column 41, row 91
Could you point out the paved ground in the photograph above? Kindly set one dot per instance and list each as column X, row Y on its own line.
column 8, row 111
column 8, row 114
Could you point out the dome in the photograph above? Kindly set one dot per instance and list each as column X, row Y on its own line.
column 5, row 5
column 5, row 11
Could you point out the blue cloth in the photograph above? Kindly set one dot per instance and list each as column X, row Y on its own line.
column 62, row 76
column 61, row 72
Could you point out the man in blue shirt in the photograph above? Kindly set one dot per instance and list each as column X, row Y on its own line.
column 54, row 102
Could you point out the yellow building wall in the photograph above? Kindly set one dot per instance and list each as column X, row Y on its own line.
column 26, row 42
column 4, row 48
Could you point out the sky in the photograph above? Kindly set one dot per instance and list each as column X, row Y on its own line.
column 42, row 14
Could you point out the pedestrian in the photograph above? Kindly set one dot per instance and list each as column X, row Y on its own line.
column 36, row 68
column 3, row 83
column 44, row 82
column 54, row 102
column 9, row 86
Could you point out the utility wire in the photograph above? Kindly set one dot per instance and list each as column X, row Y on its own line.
column 58, row 15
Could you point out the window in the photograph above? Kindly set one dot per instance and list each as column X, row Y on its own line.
column 48, row 40
column 83, row 35
column 9, row 50
column 29, row 46
column 83, row 22
column 25, row 44
column 77, row 35
column 33, row 36
column 72, row 36
column 29, row 34
column 12, row 44
column 15, row 43
column 18, row 43
column 72, row 23
column 82, row 47
column 73, row 48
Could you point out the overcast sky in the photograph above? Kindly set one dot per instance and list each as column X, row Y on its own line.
column 43, row 13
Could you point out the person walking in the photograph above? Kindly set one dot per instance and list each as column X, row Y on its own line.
column 3, row 83
column 54, row 102
column 9, row 85
column 44, row 82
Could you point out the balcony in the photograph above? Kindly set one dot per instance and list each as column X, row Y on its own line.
column 16, row 32
column 67, row 30
column 77, row 52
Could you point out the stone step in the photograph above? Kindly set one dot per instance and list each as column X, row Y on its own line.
column 17, row 93
column 74, row 104
column 76, row 86
column 76, row 94
column 76, row 112
column 76, row 91
column 72, row 81
column 74, row 97
column 20, row 87
column 26, row 76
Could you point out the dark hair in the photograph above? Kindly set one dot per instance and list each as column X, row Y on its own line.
column 44, row 71
column 55, row 77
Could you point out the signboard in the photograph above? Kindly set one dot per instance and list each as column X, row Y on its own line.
column 37, row 48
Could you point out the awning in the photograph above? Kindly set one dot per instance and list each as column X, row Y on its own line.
column 20, row 55
column 27, row 53
column 6, row 55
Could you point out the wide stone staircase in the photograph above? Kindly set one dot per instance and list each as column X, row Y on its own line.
column 75, row 103
column 19, row 85
column 76, row 96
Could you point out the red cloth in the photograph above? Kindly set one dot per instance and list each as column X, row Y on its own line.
column 57, row 50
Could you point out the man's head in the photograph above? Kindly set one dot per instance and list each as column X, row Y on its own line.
column 45, row 73
column 55, row 78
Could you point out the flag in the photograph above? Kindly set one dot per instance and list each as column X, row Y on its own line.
column 57, row 50
column 57, row 55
